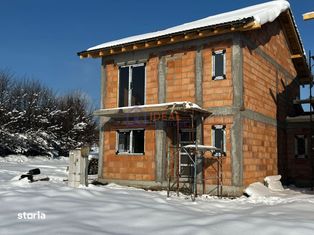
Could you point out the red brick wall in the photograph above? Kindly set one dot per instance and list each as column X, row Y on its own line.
column 180, row 76
column 271, row 40
column 152, row 81
column 259, row 151
column 111, row 98
column 262, row 80
column 220, row 92
column 129, row 167
column 210, row 172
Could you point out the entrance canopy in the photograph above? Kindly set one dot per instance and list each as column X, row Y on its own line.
column 146, row 110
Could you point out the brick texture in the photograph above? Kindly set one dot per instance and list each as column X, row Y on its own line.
column 210, row 172
column 265, row 86
column 129, row 167
column 152, row 80
column 180, row 77
column 111, row 99
column 259, row 151
column 220, row 92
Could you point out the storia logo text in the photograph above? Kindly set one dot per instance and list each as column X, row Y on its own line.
column 31, row 215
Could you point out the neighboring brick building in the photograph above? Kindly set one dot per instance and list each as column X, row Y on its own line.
column 239, row 73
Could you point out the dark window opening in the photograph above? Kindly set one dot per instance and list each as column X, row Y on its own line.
column 131, row 85
column 300, row 146
column 219, row 139
column 124, row 141
column 138, row 85
column 123, row 86
column 219, row 65
column 138, row 141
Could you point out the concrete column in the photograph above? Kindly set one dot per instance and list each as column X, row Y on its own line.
column 84, row 166
column 237, row 73
column 238, row 106
column 78, row 167
column 161, row 152
column 199, row 130
column 101, row 119
column 199, row 140
column 199, row 77
column 162, row 80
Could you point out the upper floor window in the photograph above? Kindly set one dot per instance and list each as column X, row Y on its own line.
column 300, row 146
column 219, row 64
column 132, row 85
column 219, row 139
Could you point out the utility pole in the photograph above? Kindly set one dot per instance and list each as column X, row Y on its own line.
column 310, row 16
column 311, row 137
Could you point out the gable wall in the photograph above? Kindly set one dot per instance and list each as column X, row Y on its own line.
column 269, row 89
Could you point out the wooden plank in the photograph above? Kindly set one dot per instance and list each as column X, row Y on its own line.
column 297, row 56
column 308, row 16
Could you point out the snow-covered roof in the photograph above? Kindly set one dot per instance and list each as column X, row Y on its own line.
column 261, row 14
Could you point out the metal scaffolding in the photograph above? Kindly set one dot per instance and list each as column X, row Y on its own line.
column 178, row 180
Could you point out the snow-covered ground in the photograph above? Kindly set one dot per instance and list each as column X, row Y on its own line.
column 54, row 208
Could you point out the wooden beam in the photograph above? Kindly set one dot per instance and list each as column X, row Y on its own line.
column 308, row 16
column 163, row 41
column 297, row 56
column 251, row 25
column 177, row 38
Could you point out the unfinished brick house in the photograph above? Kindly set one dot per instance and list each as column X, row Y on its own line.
column 226, row 81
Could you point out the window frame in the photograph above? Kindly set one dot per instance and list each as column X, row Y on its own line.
column 222, row 152
column 130, row 143
column 297, row 155
column 130, row 66
column 214, row 53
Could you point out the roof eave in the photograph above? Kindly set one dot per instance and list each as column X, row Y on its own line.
column 197, row 33
column 296, row 47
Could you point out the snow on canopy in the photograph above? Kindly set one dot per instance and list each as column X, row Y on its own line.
column 262, row 14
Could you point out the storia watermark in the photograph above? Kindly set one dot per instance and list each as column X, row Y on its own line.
column 38, row 215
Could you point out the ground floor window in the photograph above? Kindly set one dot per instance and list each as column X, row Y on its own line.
column 300, row 142
column 219, row 139
column 130, row 141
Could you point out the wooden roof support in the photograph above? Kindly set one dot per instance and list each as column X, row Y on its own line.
column 250, row 26
column 177, row 38
column 308, row 16
column 297, row 56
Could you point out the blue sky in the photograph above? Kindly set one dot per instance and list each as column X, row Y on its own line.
column 39, row 39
